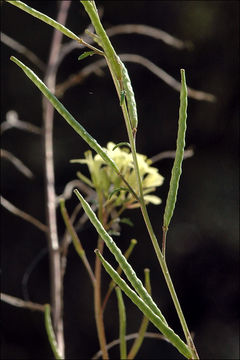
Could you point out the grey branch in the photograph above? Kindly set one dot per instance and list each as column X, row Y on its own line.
column 12, row 121
column 149, row 31
column 163, row 75
column 15, row 45
column 17, row 163
column 22, row 214
column 12, row 300
column 150, row 335
column 171, row 155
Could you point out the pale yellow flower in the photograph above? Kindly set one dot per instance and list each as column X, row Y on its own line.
column 104, row 179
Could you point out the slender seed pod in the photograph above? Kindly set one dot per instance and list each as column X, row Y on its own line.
column 66, row 114
column 147, row 311
column 177, row 166
column 131, row 103
column 126, row 267
column 44, row 18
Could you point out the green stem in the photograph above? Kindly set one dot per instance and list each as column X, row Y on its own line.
column 76, row 241
column 122, row 324
column 144, row 324
column 97, row 288
column 50, row 332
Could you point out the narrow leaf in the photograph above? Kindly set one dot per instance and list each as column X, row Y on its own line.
column 117, row 190
column 122, row 144
column 66, row 114
column 86, row 54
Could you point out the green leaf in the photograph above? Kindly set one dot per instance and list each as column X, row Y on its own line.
column 122, row 144
column 126, row 221
column 86, row 54
column 117, row 190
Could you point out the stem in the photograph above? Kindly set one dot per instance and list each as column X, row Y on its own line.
column 53, row 244
column 76, row 241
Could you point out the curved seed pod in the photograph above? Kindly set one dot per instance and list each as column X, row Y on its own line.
column 131, row 103
column 126, row 267
column 177, row 166
column 66, row 114
column 147, row 311
column 50, row 332
column 44, row 18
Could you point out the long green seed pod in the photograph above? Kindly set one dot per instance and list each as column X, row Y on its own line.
column 109, row 51
column 116, row 65
column 177, row 166
column 122, row 324
column 131, row 103
column 66, row 114
column 50, row 332
column 147, row 311
column 122, row 261
column 44, row 18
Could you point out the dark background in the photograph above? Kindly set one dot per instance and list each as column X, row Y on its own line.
column 202, row 248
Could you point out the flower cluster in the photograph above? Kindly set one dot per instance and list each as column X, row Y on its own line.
column 104, row 179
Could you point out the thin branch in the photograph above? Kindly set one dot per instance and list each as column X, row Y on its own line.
column 127, row 29
column 149, row 31
column 171, row 155
column 150, row 335
column 22, row 214
column 48, row 115
column 12, row 300
column 17, row 163
column 76, row 241
column 15, row 45
column 68, row 189
column 168, row 79
column 163, row 75
column 12, row 121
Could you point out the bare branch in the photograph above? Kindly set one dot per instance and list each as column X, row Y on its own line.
column 12, row 121
column 56, row 279
column 150, row 335
column 17, row 163
column 129, row 29
column 171, row 155
column 68, row 189
column 12, row 300
column 15, row 45
column 22, row 214
column 168, row 79
column 149, row 31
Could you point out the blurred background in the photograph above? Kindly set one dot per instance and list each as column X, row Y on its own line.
column 202, row 244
